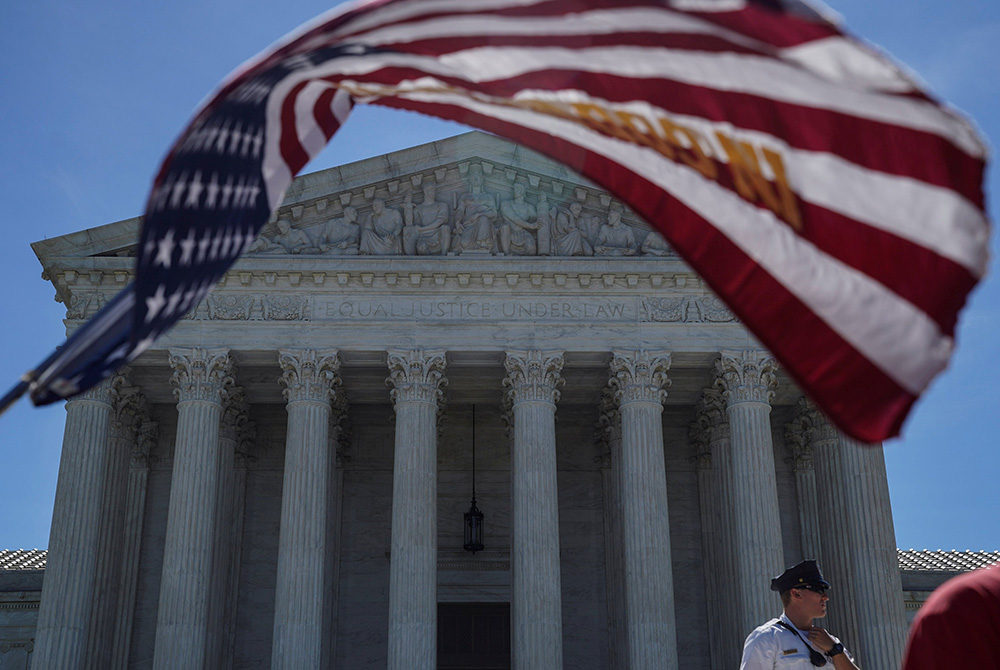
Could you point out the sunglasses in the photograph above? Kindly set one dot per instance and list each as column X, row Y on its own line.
column 815, row 589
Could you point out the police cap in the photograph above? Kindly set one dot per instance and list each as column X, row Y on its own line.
column 799, row 576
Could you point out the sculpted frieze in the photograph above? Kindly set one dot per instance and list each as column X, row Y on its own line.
column 471, row 208
column 686, row 309
column 252, row 307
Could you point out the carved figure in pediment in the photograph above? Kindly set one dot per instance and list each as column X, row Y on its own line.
column 517, row 231
column 475, row 214
column 264, row 245
column 615, row 238
column 382, row 232
column 545, row 218
column 655, row 245
column 341, row 236
column 426, row 230
column 293, row 240
column 569, row 236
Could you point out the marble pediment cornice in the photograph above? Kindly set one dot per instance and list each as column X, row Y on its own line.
column 397, row 179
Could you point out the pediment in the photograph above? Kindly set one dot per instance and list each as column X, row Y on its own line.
column 316, row 204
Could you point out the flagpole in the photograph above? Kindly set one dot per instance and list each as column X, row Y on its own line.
column 15, row 393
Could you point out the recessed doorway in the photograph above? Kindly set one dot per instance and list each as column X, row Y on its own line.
column 473, row 636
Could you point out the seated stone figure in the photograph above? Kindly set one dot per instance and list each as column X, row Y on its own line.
column 517, row 232
column 264, row 245
column 426, row 230
column 615, row 238
column 340, row 236
column 475, row 214
column 569, row 236
column 655, row 245
column 292, row 240
column 382, row 232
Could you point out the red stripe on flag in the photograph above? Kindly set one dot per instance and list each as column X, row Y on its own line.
column 862, row 399
column 871, row 144
column 323, row 112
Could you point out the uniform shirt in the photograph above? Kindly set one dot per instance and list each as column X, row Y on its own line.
column 771, row 646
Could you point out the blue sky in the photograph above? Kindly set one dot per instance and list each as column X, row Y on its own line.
column 94, row 93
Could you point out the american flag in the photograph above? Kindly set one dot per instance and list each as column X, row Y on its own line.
column 833, row 204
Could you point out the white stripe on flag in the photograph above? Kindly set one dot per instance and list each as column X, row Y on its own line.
column 888, row 331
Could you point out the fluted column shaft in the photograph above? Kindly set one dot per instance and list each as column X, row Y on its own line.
column 128, row 406
column 135, row 508
column 858, row 547
column 201, row 377
column 639, row 380
column 715, row 496
column 310, row 378
column 417, row 378
column 805, row 485
column 536, row 607
column 610, row 426
column 70, row 573
column 747, row 380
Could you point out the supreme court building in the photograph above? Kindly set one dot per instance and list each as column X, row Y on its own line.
column 281, row 481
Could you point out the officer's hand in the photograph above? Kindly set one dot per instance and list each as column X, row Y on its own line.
column 820, row 638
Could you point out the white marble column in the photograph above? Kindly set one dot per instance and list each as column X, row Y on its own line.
column 747, row 380
column 70, row 573
column 710, row 438
column 246, row 433
column 805, row 485
column 225, row 571
column 201, row 377
column 858, row 545
column 417, row 378
column 128, row 410
column 609, row 429
column 135, row 509
column 533, row 378
column 639, row 380
column 310, row 378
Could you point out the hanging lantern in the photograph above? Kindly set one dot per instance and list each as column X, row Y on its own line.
column 473, row 518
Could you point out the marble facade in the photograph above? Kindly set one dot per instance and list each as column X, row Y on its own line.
column 294, row 458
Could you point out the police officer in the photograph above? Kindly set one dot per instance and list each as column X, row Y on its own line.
column 791, row 640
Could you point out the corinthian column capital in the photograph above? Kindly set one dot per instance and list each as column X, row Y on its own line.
column 640, row 376
column 417, row 375
column 815, row 428
column 201, row 374
column 308, row 374
column 533, row 376
column 128, row 407
column 746, row 376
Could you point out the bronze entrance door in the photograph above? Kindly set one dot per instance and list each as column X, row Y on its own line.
column 473, row 636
